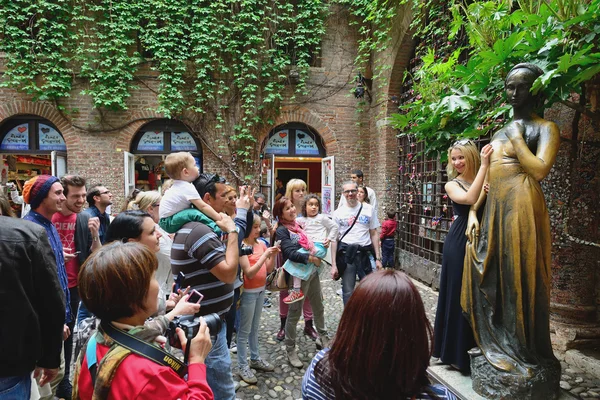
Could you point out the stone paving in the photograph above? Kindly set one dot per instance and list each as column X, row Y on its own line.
column 285, row 381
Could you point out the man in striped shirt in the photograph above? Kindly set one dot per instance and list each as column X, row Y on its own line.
column 210, row 263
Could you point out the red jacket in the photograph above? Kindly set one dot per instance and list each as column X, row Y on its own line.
column 388, row 229
column 140, row 378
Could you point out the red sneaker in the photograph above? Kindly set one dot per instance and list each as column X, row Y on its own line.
column 294, row 296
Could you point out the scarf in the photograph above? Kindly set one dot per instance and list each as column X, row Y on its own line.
column 303, row 240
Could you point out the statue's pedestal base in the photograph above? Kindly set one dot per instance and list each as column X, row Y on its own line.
column 494, row 384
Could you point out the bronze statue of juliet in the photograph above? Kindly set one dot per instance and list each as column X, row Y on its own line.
column 506, row 279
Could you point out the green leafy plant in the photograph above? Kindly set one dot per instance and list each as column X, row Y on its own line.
column 465, row 98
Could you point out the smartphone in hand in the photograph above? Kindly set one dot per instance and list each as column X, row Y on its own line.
column 195, row 297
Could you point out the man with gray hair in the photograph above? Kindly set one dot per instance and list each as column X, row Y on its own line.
column 357, row 225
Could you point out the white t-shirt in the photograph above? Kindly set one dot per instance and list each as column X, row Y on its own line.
column 319, row 228
column 177, row 198
column 372, row 200
column 359, row 234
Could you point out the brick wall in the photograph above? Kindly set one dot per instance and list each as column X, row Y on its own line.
column 96, row 139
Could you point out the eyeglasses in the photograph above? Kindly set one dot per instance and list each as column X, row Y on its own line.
column 463, row 142
column 155, row 204
column 105, row 192
column 352, row 191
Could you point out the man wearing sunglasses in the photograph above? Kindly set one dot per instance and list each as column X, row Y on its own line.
column 358, row 177
column 357, row 225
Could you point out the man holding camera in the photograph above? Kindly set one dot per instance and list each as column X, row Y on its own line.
column 203, row 262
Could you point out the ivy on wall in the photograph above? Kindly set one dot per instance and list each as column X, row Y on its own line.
column 459, row 87
column 229, row 60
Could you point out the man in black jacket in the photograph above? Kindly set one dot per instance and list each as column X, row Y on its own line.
column 33, row 315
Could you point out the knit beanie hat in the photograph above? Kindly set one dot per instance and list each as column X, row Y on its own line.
column 36, row 189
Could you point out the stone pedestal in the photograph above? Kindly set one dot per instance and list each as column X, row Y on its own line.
column 493, row 384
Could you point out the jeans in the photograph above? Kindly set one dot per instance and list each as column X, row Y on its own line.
column 312, row 291
column 251, row 310
column 387, row 252
column 218, row 368
column 15, row 387
column 349, row 280
column 233, row 317
column 69, row 342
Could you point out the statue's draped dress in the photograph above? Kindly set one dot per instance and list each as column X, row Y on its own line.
column 506, row 279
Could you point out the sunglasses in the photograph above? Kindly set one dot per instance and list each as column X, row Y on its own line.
column 463, row 142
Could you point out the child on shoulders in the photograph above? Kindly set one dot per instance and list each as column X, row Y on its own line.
column 175, row 211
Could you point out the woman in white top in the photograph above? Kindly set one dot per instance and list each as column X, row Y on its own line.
column 149, row 202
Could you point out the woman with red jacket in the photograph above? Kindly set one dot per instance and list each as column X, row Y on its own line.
column 117, row 284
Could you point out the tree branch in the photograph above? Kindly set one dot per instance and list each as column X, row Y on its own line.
column 593, row 115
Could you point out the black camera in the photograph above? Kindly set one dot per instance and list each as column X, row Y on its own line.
column 246, row 250
column 190, row 325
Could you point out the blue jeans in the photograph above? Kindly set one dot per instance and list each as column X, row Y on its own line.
column 15, row 387
column 251, row 310
column 218, row 368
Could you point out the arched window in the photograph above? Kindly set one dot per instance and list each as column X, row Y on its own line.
column 149, row 147
column 30, row 134
column 294, row 140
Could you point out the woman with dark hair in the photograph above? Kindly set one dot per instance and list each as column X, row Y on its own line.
column 295, row 190
column 134, row 226
column 381, row 349
column 363, row 195
column 139, row 226
column 293, row 239
column 117, row 284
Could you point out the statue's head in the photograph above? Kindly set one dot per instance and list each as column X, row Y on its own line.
column 518, row 83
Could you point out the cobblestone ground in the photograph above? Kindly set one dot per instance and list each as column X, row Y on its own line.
column 285, row 381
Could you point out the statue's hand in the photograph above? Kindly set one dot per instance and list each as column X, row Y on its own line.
column 473, row 228
column 515, row 130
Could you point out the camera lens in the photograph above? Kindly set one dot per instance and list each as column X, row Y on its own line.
column 214, row 323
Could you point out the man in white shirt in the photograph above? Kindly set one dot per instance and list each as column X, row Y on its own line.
column 357, row 176
column 359, row 240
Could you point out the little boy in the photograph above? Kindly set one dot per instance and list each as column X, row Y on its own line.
column 388, row 231
column 174, row 210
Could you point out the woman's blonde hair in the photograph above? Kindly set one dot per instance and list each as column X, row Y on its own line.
column 472, row 160
column 292, row 185
column 144, row 200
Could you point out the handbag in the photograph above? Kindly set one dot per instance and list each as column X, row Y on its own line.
column 276, row 280
column 340, row 255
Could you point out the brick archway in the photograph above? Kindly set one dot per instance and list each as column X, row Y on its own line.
column 310, row 118
column 139, row 119
column 24, row 107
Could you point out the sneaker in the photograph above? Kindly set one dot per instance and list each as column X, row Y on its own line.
column 338, row 292
column 294, row 296
column 233, row 348
column 293, row 357
column 281, row 334
column 261, row 365
column 247, row 375
column 267, row 303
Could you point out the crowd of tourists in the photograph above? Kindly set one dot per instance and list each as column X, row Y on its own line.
column 145, row 303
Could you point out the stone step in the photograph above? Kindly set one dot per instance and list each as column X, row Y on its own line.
column 460, row 384
column 587, row 360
